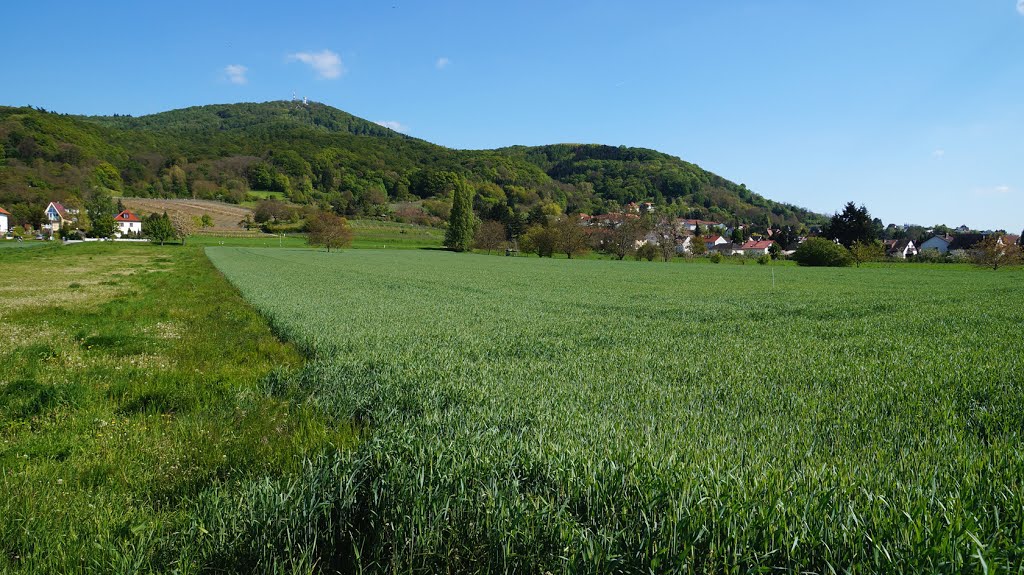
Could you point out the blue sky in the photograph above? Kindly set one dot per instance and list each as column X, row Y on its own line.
column 913, row 108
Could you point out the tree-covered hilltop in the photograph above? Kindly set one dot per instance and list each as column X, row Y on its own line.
column 316, row 154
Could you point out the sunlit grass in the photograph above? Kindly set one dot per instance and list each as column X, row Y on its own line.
column 592, row 416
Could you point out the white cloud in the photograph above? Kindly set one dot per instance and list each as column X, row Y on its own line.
column 1020, row 7
column 940, row 152
column 393, row 125
column 236, row 73
column 326, row 63
column 443, row 62
column 994, row 191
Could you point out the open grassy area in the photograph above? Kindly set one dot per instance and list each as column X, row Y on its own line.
column 558, row 416
column 374, row 234
column 139, row 427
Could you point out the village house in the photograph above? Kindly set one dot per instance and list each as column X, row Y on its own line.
column 5, row 221
column 937, row 243
column 726, row 249
column 900, row 249
column 128, row 223
column 712, row 241
column 685, row 246
column 755, row 247
column 691, row 225
column 59, row 216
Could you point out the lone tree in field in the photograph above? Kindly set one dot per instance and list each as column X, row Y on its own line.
column 489, row 236
column 158, row 228
column 872, row 251
column 328, row 230
column 183, row 227
column 459, row 235
column 667, row 234
column 622, row 240
column 571, row 238
column 993, row 252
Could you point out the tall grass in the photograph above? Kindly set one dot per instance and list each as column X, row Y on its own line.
column 589, row 416
column 134, row 412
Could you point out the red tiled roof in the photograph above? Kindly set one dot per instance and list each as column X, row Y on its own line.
column 752, row 245
column 4, row 212
column 61, row 210
column 712, row 239
column 127, row 216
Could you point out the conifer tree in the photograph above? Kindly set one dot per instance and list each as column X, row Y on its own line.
column 459, row 235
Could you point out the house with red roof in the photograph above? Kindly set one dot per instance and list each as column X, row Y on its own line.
column 59, row 216
column 128, row 223
column 755, row 247
column 712, row 241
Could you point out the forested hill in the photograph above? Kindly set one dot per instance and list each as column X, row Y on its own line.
column 269, row 116
column 314, row 153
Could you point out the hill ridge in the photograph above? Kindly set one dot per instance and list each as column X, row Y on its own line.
column 317, row 153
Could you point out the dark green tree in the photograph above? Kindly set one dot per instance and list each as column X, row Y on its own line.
column 822, row 252
column 459, row 235
column 101, row 213
column 158, row 228
column 852, row 225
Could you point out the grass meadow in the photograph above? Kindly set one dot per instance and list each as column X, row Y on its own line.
column 528, row 415
column 137, row 433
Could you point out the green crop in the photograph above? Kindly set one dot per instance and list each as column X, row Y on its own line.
column 532, row 415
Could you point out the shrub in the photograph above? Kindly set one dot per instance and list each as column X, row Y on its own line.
column 716, row 258
column 764, row 259
column 822, row 252
column 647, row 252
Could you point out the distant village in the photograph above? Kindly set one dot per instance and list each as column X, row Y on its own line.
column 688, row 237
column 899, row 242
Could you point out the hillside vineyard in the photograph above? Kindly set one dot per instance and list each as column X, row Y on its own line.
column 533, row 415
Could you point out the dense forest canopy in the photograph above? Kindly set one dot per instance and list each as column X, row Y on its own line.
column 316, row 154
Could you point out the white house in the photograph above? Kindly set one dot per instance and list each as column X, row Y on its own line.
column 938, row 243
column 684, row 246
column 691, row 225
column 5, row 221
column 710, row 242
column 900, row 249
column 128, row 223
column 755, row 247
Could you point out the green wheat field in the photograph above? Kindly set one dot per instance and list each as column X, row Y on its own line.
column 526, row 415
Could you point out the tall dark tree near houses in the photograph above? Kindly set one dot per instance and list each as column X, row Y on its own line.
column 852, row 225
column 459, row 235
column 328, row 230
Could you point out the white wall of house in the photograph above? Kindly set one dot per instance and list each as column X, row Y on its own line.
column 4, row 225
column 935, row 243
column 129, row 227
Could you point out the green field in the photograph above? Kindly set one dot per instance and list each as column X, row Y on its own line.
column 137, row 431
column 367, row 234
column 537, row 415
column 375, row 234
column 11, row 244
